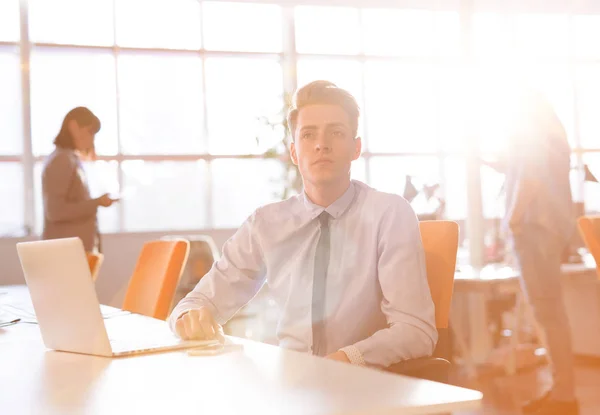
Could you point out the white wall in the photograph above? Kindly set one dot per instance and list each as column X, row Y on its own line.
column 120, row 254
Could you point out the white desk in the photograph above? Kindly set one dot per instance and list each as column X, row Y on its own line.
column 261, row 379
column 474, row 287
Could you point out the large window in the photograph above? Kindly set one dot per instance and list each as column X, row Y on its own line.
column 160, row 104
column 11, row 193
column 11, row 121
column 556, row 54
column 62, row 79
column 12, row 219
column 181, row 86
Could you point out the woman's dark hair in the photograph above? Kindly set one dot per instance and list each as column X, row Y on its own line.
column 84, row 118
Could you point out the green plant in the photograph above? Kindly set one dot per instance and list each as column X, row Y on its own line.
column 276, row 134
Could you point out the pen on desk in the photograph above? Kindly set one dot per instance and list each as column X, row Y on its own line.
column 8, row 323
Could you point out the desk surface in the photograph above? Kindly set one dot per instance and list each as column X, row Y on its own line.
column 498, row 273
column 260, row 379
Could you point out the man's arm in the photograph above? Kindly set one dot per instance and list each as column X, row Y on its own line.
column 525, row 191
column 531, row 165
column 406, row 302
column 232, row 281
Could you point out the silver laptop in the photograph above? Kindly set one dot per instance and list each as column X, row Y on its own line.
column 69, row 314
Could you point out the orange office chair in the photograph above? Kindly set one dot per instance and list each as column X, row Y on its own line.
column 155, row 278
column 94, row 261
column 440, row 242
column 589, row 229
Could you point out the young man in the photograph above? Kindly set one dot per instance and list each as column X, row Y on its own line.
column 344, row 262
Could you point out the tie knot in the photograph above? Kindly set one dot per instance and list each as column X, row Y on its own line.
column 324, row 219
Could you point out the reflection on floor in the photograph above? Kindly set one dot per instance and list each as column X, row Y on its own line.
column 503, row 395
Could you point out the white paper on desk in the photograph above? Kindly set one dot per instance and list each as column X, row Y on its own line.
column 7, row 318
column 215, row 349
column 23, row 311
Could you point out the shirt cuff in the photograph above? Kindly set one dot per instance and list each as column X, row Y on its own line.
column 354, row 355
column 175, row 314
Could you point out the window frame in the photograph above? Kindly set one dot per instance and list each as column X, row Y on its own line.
column 289, row 58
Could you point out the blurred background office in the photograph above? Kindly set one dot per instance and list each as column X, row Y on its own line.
column 183, row 89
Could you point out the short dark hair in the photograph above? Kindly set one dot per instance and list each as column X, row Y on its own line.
column 84, row 118
column 323, row 92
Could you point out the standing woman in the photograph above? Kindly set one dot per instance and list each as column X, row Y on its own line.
column 69, row 210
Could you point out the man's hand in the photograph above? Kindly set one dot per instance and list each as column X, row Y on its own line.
column 198, row 324
column 339, row 356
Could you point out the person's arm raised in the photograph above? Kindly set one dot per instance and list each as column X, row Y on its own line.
column 230, row 284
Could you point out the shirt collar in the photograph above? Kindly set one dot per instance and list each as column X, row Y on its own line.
column 336, row 209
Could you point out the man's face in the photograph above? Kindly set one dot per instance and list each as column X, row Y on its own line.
column 324, row 144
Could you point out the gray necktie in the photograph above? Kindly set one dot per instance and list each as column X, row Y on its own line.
column 319, row 284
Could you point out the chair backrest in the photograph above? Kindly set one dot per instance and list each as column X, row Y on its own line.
column 94, row 261
column 155, row 278
column 440, row 242
column 589, row 229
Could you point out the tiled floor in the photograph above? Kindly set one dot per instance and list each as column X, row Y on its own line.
column 502, row 395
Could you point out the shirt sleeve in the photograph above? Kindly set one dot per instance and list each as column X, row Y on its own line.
column 233, row 280
column 406, row 303
column 57, row 178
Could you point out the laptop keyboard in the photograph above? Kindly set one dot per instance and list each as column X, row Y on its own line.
column 128, row 333
column 110, row 312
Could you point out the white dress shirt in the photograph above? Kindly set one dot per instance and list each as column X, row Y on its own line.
column 378, row 305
